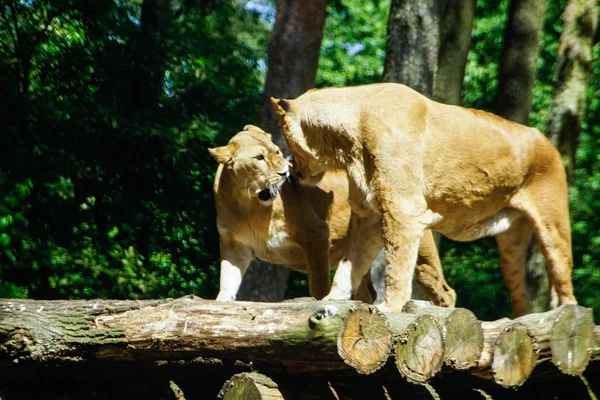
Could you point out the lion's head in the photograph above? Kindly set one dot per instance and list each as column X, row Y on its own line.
column 310, row 162
column 254, row 163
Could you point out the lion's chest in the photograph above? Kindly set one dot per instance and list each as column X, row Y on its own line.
column 273, row 243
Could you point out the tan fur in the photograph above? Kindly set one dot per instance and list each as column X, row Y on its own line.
column 304, row 227
column 419, row 164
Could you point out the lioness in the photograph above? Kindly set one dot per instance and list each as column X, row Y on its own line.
column 419, row 164
column 264, row 213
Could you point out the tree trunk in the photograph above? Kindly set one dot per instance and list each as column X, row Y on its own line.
column 294, row 51
column 573, row 68
column 413, row 41
column 149, row 67
column 293, row 59
column 513, row 101
column 519, row 59
column 455, row 41
column 411, row 56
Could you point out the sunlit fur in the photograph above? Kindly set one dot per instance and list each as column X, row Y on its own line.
column 419, row 164
column 307, row 228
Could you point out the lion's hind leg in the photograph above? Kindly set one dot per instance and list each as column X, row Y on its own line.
column 429, row 275
column 512, row 249
column 547, row 209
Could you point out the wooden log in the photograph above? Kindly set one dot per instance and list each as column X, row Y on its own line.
column 250, row 386
column 298, row 337
column 571, row 339
column 564, row 335
column 514, row 356
column 365, row 342
column 463, row 335
column 418, row 346
column 369, row 337
column 304, row 337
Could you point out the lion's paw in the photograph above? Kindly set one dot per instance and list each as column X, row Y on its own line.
column 385, row 307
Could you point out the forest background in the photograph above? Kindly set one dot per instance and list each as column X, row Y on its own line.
column 108, row 108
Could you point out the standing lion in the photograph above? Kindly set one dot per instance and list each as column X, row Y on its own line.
column 419, row 164
column 263, row 212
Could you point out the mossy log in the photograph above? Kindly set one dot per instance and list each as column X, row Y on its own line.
column 296, row 336
column 310, row 338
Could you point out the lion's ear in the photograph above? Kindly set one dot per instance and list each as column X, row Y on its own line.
column 281, row 106
column 221, row 154
column 256, row 129
column 250, row 127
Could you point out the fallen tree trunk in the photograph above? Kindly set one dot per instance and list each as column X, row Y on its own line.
column 298, row 336
column 311, row 338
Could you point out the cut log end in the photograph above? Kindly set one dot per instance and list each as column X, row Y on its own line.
column 572, row 338
column 366, row 340
column 250, row 386
column 514, row 356
column 464, row 339
column 419, row 351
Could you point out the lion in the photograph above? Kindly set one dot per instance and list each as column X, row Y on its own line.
column 418, row 164
column 264, row 212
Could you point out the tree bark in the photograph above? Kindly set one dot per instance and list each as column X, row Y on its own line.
column 293, row 53
column 149, row 66
column 292, row 69
column 573, row 68
column 519, row 59
column 455, row 41
column 413, row 41
column 312, row 338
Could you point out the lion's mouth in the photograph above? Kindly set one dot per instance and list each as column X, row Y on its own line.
column 272, row 189
column 265, row 195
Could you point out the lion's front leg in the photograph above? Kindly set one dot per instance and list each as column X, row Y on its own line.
column 402, row 233
column 317, row 264
column 235, row 259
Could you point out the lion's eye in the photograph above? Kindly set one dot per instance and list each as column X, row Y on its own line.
column 260, row 157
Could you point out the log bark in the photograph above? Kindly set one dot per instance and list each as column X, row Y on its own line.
column 413, row 42
column 296, row 336
column 308, row 338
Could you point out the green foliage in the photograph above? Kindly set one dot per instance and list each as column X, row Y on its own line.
column 459, row 259
column 103, row 196
column 353, row 49
column 585, row 200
